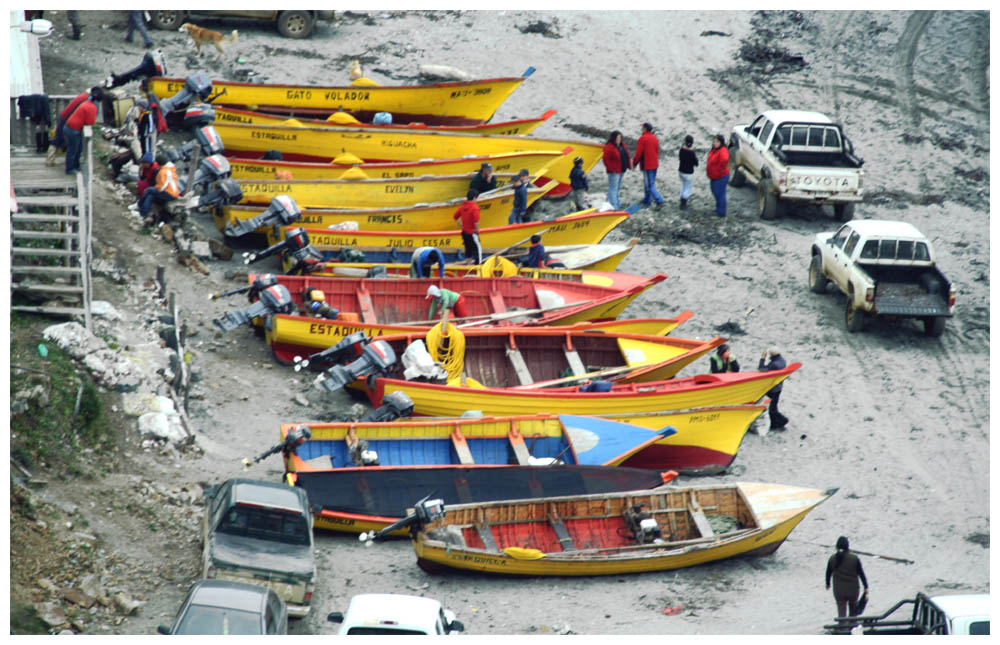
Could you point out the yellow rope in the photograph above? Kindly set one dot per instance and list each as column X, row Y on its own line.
column 497, row 267
column 452, row 357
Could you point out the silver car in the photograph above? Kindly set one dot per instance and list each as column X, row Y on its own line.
column 225, row 607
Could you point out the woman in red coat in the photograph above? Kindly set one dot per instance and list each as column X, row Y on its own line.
column 717, row 168
column 616, row 162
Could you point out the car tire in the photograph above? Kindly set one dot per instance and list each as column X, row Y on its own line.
column 295, row 24
column 767, row 202
column 736, row 177
column 167, row 20
column 844, row 212
column 817, row 281
column 934, row 326
column 854, row 318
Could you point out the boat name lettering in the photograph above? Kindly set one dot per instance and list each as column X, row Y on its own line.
column 277, row 136
column 333, row 240
column 339, row 520
column 479, row 91
column 399, row 189
column 478, row 559
column 385, row 219
column 174, row 87
column 299, row 94
column 398, row 144
column 409, row 243
column 321, row 329
column 267, row 188
column 704, row 418
column 347, row 95
column 398, row 174
column 238, row 118
column 311, row 219
column 583, row 224
column 500, row 167
column 560, row 227
column 254, row 170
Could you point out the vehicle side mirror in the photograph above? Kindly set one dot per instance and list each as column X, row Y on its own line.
column 829, row 241
column 335, row 617
column 456, row 626
column 163, row 629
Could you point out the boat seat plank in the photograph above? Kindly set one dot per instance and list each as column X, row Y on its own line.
column 565, row 540
column 365, row 306
column 575, row 364
column 520, row 367
column 497, row 303
column 486, row 535
column 698, row 515
column 518, row 446
column 461, row 448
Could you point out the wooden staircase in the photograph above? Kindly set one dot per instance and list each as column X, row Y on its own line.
column 51, row 234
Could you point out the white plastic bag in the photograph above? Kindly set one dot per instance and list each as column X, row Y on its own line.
column 417, row 362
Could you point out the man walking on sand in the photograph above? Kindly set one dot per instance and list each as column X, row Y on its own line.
column 778, row 420
column 647, row 157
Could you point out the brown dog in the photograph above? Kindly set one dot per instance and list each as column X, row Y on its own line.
column 202, row 36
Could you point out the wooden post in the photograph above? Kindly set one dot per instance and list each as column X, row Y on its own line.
column 161, row 280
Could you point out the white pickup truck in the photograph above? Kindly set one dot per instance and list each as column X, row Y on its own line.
column 794, row 155
column 884, row 268
column 395, row 614
column 953, row 615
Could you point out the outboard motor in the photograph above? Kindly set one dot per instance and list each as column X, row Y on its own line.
column 153, row 64
column 282, row 211
column 376, row 357
column 297, row 436
column 273, row 300
column 198, row 115
column 643, row 525
column 210, row 170
column 196, row 85
column 295, row 239
column 395, row 405
column 305, row 260
column 206, row 138
column 225, row 192
column 424, row 512
column 349, row 348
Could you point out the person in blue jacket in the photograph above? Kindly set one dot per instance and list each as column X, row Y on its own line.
column 537, row 259
column 777, row 362
column 578, row 182
column 422, row 262
column 519, row 214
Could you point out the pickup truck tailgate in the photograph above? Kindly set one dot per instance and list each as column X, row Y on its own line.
column 823, row 180
column 903, row 299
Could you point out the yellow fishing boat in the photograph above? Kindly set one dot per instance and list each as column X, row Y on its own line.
column 494, row 209
column 502, row 398
column 589, row 228
column 363, row 193
column 313, row 144
column 458, row 103
column 532, row 161
column 664, row 528
column 290, row 336
column 343, row 119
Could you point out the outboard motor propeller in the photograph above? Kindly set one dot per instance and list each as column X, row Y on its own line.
column 282, row 211
column 273, row 300
column 196, row 85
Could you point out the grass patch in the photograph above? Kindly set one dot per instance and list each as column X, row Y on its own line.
column 25, row 620
column 50, row 429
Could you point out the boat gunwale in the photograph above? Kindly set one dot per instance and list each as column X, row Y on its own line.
column 314, row 88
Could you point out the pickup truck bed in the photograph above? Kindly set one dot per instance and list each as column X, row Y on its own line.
column 818, row 159
column 905, row 291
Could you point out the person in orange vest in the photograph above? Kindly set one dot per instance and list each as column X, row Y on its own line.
column 166, row 189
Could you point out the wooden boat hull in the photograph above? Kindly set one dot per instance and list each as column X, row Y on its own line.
column 318, row 144
column 352, row 500
column 766, row 514
column 362, row 193
column 456, row 103
column 705, row 390
column 532, row 161
column 248, row 117
column 589, row 228
column 494, row 209
column 382, row 301
column 291, row 336
column 706, row 442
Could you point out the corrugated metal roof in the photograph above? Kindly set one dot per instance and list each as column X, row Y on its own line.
column 25, row 60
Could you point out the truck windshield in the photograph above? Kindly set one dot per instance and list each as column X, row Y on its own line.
column 265, row 524
column 203, row 619
column 980, row 628
column 381, row 631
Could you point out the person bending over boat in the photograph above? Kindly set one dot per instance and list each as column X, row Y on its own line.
column 723, row 361
column 484, row 179
column 446, row 300
column 845, row 569
column 468, row 214
column 422, row 261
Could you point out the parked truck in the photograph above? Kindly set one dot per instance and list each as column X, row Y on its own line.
column 952, row 614
column 796, row 156
column 261, row 532
column 395, row 614
column 885, row 269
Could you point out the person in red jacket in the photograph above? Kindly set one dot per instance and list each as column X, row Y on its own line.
column 717, row 168
column 647, row 157
column 468, row 212
column 85, row 113
column 616, row 162
column 59, row 141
